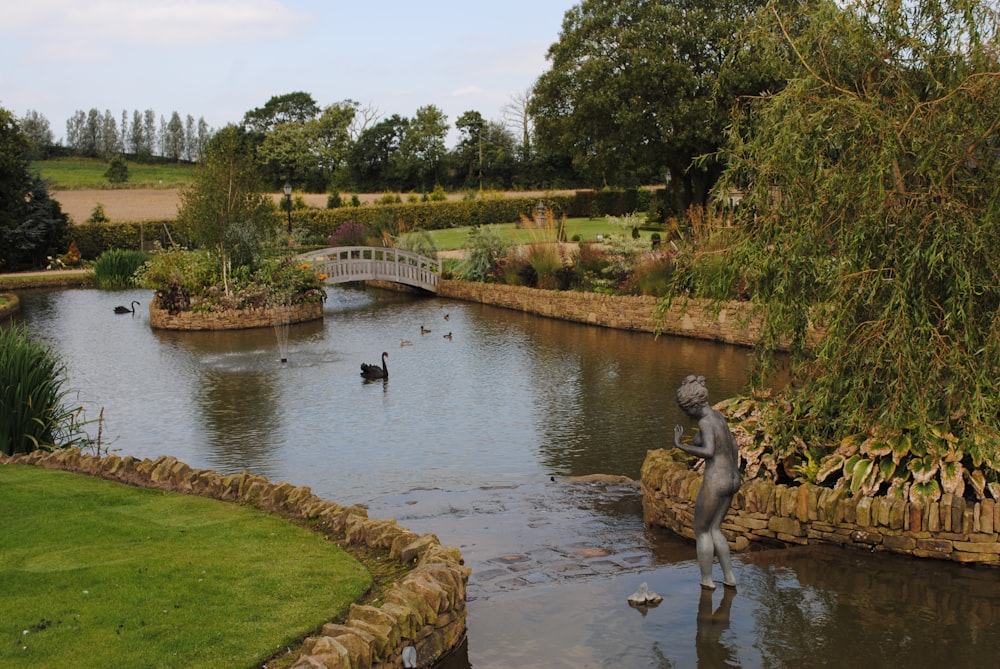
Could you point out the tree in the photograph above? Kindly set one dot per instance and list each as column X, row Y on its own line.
column 149, row 135
column 297, row 107
column 32, row 225
column 117, row 172
column 517, row 116
column 872, row 209
column 632, row 89
column 417, row 164
column 225, row 209
column 38, row 133
column 108, row 139
column 469, row 150
column 371, row 157
column 173, row 138
column 307, row 153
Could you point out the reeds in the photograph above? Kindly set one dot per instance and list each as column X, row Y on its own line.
column 31, row 396
column 116, row 268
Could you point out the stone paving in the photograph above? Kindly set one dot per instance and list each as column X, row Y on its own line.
column 521, row 536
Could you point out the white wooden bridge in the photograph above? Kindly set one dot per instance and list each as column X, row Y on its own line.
column 375, row 263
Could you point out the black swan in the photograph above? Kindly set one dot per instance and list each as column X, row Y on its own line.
column 374, row 371
column 125, row 310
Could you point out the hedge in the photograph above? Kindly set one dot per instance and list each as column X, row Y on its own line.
column 92, row 239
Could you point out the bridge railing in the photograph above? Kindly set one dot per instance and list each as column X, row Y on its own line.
column 374, row 263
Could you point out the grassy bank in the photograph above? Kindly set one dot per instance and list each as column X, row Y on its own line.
column 88, row 173
column 99, row 574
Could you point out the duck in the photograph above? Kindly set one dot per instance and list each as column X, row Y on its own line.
column 405, row 342
column 424, row 330
column 447, row 336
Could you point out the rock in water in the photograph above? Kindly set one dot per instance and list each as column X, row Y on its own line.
column 644, row 597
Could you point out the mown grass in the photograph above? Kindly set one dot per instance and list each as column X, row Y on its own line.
column 96, row 574
column 588, row 229
column 88, row 173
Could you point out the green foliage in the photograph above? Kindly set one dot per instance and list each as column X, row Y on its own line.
column 117, row 268
column 32, row 397
column 487, row 248
column 635, row 70
column 129, row 577
column 177, row 274
column 417, row 241
column 95, row 238
column 432, row 215
column 32, row 225
column 186, row 279
column 225, row 210
column 872, row 210
column 117, row 172
column 97, row 215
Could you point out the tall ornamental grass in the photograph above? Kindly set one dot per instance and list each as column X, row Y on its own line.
column 32, row 397
column 116, row 269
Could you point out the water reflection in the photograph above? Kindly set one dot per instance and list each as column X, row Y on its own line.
column 462, row 441
column 831, row 607
column 708, row 641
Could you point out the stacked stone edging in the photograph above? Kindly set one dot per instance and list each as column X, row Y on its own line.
column 698, row 318
column 234, row 319
column 426, row 609
column 764, row 512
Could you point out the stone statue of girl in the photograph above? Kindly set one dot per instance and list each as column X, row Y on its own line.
column 716, row 444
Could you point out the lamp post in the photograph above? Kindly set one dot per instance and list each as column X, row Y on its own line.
column 288, row 194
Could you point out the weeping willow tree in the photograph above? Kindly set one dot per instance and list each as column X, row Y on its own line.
column 872, row 217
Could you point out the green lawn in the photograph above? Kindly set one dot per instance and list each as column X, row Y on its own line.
column 99, row 574
column 587, row 228
column 86, row 173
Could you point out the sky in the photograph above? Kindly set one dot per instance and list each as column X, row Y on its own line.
column 218, row 59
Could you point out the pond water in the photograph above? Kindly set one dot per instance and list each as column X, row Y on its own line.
column 477, row 438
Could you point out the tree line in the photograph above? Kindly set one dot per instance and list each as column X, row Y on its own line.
column 94, row 134
column 636, row 93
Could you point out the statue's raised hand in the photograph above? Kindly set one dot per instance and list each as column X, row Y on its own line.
column 678, row 433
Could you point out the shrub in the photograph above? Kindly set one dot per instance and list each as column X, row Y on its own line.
column 350, row 234
column 116, row 269
column 333, row 201
column 32, row 397
column 177, row 275
column 652, row 275
column 487, row 248
column 97, row 215
column 545, row 260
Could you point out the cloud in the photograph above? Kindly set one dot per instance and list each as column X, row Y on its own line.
column 158, row 23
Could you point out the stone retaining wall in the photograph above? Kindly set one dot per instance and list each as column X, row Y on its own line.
column 687, row 318
column 426, row 609
column 763, row 512
column 234, row 319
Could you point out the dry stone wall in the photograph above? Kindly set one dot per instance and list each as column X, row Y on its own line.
column 765, row 513
column 425, row 610
column 234, row 319
column 731, row 323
